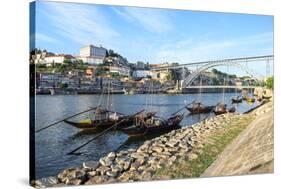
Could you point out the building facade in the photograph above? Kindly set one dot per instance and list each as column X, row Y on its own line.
column 91, row 59
column 92, row 55
column 142, row 74
column 123, row 71
column 58, row 59
column 91, row 50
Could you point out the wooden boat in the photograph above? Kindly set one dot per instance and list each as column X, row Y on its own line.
column 154, row 125
column 251, row 99
column 106, row 120
column 92, row 124
column 103, row 119
column 236, row 99
column 259, row 98
column 232, row 109
column 144, row 116
column 266, row 97
column 198, row 108
column 220, row 109
column 245, row 97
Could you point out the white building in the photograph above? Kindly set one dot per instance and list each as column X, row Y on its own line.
column 140, row 65
column 91, row 59
column 144, row 74
column 58, row 59
column 124, row 71
column 54, row 59
column 39, row 57
column 91, row 50
column 92, row 55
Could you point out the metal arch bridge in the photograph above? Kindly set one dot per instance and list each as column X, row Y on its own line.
column 237, row 62
column 243, row 59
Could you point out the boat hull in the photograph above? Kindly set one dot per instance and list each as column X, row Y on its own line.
column 220, row 109
column 144, row 130
column 102, row 125
column 236, row 100
column 266, row 97
column 92, row 125
column 251, row 100
column 219, row 112
column 200, row 110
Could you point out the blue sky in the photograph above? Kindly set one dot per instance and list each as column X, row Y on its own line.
column 153, row 35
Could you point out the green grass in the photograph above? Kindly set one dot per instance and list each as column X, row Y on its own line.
column 208, row 154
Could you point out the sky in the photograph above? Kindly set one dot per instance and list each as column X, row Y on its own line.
column 154, row 35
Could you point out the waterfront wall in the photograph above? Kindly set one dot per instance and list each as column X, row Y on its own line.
column 209, row 90
column 59, row 91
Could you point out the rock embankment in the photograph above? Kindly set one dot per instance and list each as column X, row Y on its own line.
column 252, row 151
column 143, row 163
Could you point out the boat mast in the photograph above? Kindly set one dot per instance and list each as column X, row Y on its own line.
column 200, row 89
column 151, row 97
column 108, row 95
column 223, row 90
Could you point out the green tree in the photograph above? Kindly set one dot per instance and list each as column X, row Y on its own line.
column 63, row 85
column 114, row 74
column 269, row 83
column 215, row 71
column 175, row 64
column 216, row 81
column 67, row 61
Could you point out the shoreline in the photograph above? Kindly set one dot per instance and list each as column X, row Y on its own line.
column 59, row 91
column 149, row 161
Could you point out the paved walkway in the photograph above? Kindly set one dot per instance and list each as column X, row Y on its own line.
column 251, row 152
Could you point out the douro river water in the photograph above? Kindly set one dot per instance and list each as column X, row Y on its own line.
column 52, row 144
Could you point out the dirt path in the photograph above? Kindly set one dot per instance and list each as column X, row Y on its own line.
column 251, row 152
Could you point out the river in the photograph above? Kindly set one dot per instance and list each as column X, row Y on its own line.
column 52, row 144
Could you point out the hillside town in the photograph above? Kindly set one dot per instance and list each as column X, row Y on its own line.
column 97, row 68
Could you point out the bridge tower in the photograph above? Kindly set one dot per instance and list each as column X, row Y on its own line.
column 181, row 79
column 267, row 68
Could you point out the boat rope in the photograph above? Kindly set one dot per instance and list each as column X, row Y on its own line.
column 43, row 128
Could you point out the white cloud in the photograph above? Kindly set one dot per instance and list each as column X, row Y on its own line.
column 190, row 50
column 153, row 20
column 45, row 38
column 80, row 23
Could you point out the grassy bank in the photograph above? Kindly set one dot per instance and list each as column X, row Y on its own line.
column 207, row 150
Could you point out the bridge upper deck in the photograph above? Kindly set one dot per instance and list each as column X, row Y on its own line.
column 236, row 60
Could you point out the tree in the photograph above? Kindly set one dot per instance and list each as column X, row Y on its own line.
column 216, row 81
column 112, row 53
column 114, row 74
column 175, row 64
column 67, row 61
column 63, row 85
column 171, row 76
column 79, row 61
column 215, row 71
column 269, row 83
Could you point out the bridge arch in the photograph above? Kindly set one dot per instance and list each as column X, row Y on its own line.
column 189, row 79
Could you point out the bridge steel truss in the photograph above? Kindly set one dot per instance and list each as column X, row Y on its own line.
column 237, row 62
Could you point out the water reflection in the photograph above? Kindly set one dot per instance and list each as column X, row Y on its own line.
column 52, row 144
